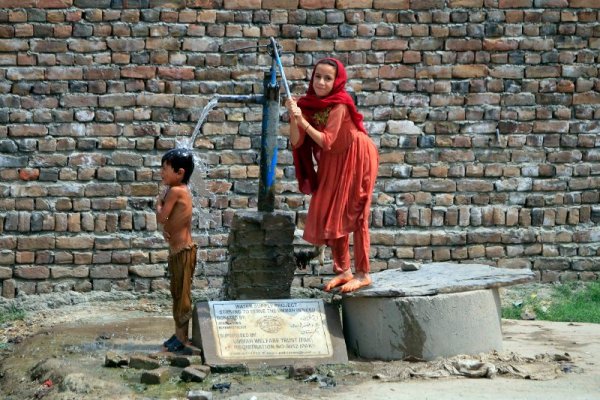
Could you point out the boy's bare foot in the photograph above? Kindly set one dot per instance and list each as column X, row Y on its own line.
column 360, row 280
column 339, row 280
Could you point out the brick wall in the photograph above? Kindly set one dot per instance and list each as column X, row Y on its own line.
column 486, row 114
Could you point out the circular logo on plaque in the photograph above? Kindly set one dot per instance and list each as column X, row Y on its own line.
column 270, row 324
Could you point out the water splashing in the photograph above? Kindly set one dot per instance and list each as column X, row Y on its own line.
column 189, row 143
column 197, row 182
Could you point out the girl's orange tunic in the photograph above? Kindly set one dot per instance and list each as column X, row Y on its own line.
column 346, row 177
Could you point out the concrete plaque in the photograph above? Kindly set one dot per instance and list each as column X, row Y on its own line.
column 273, row 332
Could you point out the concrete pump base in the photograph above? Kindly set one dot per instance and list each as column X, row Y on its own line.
column 426, row 327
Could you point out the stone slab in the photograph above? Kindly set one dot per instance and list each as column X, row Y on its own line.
column 269, row 332
column 437, row 278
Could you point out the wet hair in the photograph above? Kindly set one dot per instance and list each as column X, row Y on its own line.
column 180, row 158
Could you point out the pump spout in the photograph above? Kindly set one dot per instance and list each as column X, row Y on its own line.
column 241, row 98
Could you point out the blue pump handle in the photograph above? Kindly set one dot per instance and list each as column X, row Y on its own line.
column 281, row 71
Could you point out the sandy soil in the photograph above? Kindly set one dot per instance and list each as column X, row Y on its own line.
column 65, row 338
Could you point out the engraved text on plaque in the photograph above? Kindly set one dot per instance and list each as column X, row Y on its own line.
column 253, row 329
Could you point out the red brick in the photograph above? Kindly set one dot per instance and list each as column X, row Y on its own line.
column 546, row 71
column 6, row 31
column 470, row 71
column 49, row 46
column 55, row 16
column 242, row 4
column 156, row 100
column 584, row 4
column 536, row 44
column 315, row 45
column 515, row 3
column 23, row 30
column 500, row 44
column 117, row 100
column 162, row 43
column 86, row 46
column 204, row 3
column 176, row 73
column 352, row 44
column 17, row 74
column 391, row 4
column 73, row 16
column 344, row 4
column 36, row 242
column 316, row 4
column 200, row 45
column 32, row 272
column 465, row 3
column 279, row 4
column 586, row 98
column 440, row 72
column 80, row 100
column 126, row 44
column 8, row 45
column 411, row 57
column 101, row 73
column 109, row 271
column 427, row 4
column 53, row 3
column 463, row 44
column 27, row 130
column 173, row 4
column 390, row 44
column 17, row 16
column 139, row 72
column 64, row 31
column 396, row 72
column 552, row 3
column 17, row 3
column 207, row 16
column 29, row 174
column 187, row 16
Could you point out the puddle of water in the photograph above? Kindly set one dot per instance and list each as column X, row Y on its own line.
column 83, row 347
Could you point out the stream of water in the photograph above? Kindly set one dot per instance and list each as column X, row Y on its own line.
column 189, row 143
column 197, row 182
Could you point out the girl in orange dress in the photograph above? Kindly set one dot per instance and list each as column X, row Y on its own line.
column 326, row 128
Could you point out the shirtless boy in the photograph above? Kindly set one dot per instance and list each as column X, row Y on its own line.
column 174, row 211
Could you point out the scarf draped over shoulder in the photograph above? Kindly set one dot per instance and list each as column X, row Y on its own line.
column 316, row 111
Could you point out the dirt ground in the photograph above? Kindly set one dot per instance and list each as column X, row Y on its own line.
column 58, row 352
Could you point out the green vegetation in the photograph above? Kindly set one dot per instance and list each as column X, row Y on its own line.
column 11, row 314
column 568, row 302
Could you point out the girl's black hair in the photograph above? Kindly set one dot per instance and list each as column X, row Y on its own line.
column 328, row 62
column 180, row 158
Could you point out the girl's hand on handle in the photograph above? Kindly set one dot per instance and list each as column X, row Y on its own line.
column 293, row 108
column 289, row 102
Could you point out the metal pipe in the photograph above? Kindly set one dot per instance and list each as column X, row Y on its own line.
column 281, row 71
column 241, row 98
column 268, row 144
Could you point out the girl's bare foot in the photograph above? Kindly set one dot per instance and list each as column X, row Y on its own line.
column 339, row 280
column 360, row 280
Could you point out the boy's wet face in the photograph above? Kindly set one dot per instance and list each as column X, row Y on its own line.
column 168, row 175
column 324, row 79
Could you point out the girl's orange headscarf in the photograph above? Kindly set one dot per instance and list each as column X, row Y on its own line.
column 311, row 104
